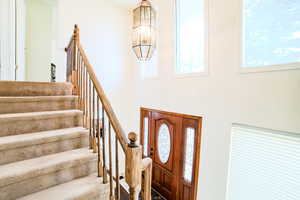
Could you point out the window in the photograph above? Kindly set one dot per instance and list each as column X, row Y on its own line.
column 146, row 136
column 264, row 165
column 189, row 154
column 191, row 42
column 271, row 33
column 164, row 143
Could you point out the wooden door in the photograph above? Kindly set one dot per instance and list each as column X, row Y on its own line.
column 163, row 143
column 173, row 142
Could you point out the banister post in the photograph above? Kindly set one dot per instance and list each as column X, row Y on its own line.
column 133, row 173
column 76, row 33
column 75, row 60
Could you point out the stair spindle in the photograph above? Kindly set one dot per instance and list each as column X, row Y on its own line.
column 93, row 125
column 90, row 114
column 117, row 191
column 103, row 147
column 100, row 168
column 86, row 99
column 80, row 83
column 110, row 171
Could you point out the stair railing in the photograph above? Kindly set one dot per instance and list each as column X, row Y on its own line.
column 101, row 120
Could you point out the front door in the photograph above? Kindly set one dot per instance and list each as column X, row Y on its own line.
column 173, row 142
column 163, row 145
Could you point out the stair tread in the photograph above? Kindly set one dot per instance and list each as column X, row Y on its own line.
column 70, row 190
column 22, row 170
column 19, row 88
column 10, row 99
column 37, row 114
column 17, row 141
column 35, row 83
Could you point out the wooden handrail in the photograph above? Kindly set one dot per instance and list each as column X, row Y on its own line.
column 90, row 92
column 105, row 102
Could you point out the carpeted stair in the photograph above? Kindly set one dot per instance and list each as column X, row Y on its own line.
column 44, row 152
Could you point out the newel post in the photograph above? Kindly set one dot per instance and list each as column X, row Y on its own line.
column 133, row 173
column 75, row 60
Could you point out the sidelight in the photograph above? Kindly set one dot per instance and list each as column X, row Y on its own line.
column 164, row 143
column 189, row 154
column 146, row 136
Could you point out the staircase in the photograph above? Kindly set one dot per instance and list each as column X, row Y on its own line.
column 61, row 141
column 44, row 148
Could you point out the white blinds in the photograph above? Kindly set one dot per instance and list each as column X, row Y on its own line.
column 265, row 165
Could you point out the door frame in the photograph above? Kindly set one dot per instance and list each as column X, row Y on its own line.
column 188, row 121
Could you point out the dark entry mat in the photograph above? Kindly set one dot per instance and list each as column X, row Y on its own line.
column 157, row 196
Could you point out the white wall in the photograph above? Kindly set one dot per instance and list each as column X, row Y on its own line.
column 269, row 100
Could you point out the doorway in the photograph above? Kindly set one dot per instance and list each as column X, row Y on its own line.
column 12, row 39
column 41, row 41
column 173, row 141
column 27, row 39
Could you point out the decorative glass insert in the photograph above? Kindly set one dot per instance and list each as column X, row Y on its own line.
column 189, row 154
column 146, row 136
column 190, row 43
column 271, row 32
column 164, row 143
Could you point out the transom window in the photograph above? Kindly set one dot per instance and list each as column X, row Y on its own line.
column 271, row 33
column 191, row 43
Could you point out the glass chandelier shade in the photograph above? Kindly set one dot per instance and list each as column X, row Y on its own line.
column 144, row 31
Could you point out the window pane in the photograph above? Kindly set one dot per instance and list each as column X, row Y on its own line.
column 190, row 36
column 146, row 136
column 189, row 154
column 271, row 32
column 264, row 165
column 164, row 143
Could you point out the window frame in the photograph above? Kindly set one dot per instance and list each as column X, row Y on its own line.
column 242, row 51
column 176, row 17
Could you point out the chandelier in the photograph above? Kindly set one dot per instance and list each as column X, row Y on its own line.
column 144, row 31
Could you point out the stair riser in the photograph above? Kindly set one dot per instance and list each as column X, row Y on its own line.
column 11, row 88
column 24, row 107
column 33, row 151
column 15, row 126
column 29, row 186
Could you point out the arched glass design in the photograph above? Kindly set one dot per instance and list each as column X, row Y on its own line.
column 189, row 154
column 146, row 136
column 164, row 143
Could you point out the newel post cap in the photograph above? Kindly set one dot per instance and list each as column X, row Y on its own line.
column 76, row 32
column 133, row 139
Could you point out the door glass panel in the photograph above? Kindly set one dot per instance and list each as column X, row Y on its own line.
column 164, row 143
column 146, row 136
column 189, row 154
